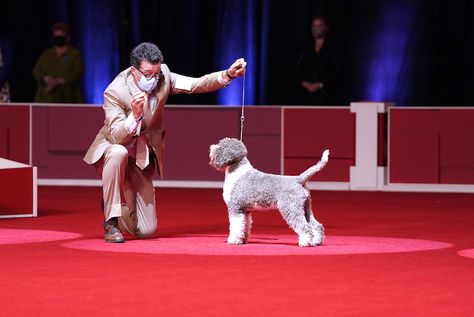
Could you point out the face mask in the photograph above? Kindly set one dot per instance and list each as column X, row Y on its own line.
column 147, row 84
column 318, row 32
column 59, row 41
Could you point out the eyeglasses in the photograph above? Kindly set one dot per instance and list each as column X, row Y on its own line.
column 149, row 76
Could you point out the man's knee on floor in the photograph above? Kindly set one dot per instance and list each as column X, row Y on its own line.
column 147, row 233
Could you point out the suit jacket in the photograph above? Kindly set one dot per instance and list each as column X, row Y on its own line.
column 117, row 107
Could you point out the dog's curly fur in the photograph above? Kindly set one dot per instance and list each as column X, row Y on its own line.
column 246, row 189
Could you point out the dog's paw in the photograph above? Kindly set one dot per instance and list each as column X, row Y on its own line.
column 305, row 240
column 236, row 241
column 317, row 240
column 318, row 235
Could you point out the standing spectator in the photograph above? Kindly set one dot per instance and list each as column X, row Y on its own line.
column 59, row 69
column 6, row 56
column 317, row 66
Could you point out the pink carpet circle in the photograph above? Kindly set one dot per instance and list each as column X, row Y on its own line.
column 260, row 245
column 18, row 236
column 468, row 253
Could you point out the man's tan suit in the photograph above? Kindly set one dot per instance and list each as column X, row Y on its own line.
column 113, row 151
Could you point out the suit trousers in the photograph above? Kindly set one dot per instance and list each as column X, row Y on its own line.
column 121, row 177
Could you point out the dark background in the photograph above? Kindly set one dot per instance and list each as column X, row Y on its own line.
column 413, row 53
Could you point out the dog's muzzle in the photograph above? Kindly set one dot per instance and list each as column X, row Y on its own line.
column 212, row 153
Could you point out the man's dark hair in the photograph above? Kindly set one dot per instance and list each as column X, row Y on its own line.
column 63, row 27
column 147, row 52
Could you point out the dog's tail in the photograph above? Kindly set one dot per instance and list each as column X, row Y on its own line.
column 306, row 175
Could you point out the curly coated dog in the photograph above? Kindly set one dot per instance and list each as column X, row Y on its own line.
column 247, row 189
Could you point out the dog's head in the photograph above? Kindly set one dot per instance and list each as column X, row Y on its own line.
column 227, row 152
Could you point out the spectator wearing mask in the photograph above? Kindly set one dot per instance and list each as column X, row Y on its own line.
column 59, row 69
column 317, row 67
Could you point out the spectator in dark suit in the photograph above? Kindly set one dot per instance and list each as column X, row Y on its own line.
column 317, row 67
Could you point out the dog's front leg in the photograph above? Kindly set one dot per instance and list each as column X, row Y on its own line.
column 237, row 228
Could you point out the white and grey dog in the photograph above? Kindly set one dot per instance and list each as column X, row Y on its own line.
column 247, row 189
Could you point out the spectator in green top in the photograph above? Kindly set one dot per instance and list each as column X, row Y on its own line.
column 59, row 70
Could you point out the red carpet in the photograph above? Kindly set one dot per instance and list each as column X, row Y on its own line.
column 386, row 254
column 261, row 244
column 467, row 253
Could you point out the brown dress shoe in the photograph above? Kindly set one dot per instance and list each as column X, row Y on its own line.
column 112, row 232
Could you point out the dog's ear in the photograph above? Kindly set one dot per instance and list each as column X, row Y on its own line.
column 229, row 151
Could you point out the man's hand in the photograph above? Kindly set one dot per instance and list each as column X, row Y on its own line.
column 312, row 87
column 237, row 69
column 137, row 102
column 52, row 82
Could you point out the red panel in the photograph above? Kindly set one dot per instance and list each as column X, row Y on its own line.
column 264, row 152
column 262, row 137
column 262, row 120
column 3, row 140
column 14, row 121
column 59, row 145
column 414, row 146
column 438, row 142
column 457, row 139
column 62, row 166
column 308, row 132
column 16, row 191
column 414, row 121
column 65, row 122
column 40, row 137
column 414, row 158
column 457, row 175
column 189, row 133
column 337, row 170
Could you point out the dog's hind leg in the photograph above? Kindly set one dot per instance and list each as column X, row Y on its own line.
column 316, row 227
column 318, row 232
column 295, row 217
